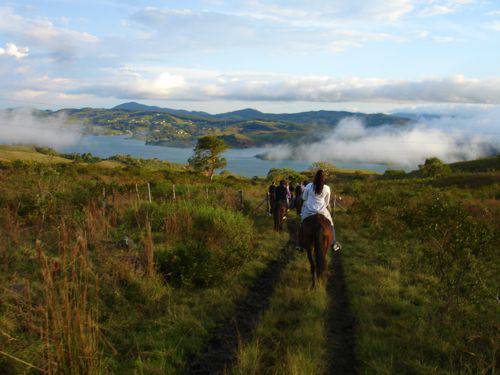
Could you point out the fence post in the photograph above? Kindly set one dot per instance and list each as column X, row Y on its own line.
column 137, row 193
column 173, row 192
column 206, row 191
column 334, row 203
column 241, row 198
column 149, row 193
column 104, row 197
column 268, row 202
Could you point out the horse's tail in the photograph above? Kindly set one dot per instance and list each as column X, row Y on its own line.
column 318, row 249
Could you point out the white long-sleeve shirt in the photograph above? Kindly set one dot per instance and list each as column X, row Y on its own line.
column 316, row 203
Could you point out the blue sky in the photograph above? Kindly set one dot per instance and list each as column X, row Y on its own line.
column 277, row 56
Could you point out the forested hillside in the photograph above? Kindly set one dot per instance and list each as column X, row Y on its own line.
column 245, row 128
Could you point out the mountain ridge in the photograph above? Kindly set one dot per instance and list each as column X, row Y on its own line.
column 319, row 116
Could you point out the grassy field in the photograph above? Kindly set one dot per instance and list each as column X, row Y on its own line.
column 96, row 279
column 27, row 153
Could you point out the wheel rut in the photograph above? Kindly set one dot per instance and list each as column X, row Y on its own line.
column 340, row 323
column 220, row 351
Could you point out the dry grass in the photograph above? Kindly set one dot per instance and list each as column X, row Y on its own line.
column 69, row 309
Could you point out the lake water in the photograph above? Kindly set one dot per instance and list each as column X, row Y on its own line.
column 239, row 161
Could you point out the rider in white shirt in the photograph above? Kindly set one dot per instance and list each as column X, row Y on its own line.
column 316, row 197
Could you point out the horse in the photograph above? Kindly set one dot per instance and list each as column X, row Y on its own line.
column 316, row 231
column 298, row 199
column 279, row 212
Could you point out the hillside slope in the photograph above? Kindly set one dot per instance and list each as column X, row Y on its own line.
column 243, row 128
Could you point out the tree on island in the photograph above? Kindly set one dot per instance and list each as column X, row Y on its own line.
column 434, row 167
column 206, row 158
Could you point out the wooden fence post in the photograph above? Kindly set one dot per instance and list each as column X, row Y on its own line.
column 149, row 193
column 334, row 203
column 206, row 191
column 137, row 193
column 241, row 198
column 173, row 192
column 104, row 197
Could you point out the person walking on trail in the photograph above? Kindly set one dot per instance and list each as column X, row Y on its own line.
column 272, row 197
column 281, row 194
column 316, row 200
column 288, row 194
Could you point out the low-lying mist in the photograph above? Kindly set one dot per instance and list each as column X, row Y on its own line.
column 448, row 138
column 24, row 126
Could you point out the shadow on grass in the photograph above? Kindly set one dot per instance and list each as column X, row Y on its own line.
column 340, row 323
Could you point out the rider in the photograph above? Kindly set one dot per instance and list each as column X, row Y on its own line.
column 272, row 197
column 281, row 193
column 316, row 197
column 298, row 194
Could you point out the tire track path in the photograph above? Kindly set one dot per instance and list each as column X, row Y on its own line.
column 340, row 323
column 220, row 352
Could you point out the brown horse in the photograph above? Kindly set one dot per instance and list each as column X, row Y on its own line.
column 316, row 231
column 279, row 212
column 298, row 199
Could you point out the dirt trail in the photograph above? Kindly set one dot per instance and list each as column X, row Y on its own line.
column 340, row 323
column 220, row 352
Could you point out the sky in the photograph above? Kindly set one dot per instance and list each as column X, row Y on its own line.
column 272, row 55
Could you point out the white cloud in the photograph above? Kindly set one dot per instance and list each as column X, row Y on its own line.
column 23, row 126
column 450, row 139
column 175, row 84
column 495, row 26
column 12, row 50
column 42, row 33
column 441, row 7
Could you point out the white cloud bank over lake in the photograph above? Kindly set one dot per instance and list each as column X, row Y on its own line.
column 448, row 138
column 22, row 126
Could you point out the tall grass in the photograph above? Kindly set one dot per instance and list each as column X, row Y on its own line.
column 70, row 311
column 59, row 297
column 422, row 278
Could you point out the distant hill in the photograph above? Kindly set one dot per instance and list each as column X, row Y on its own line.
column 310, row 117
column 134, row 106
column 243, row 128
column 478, row 165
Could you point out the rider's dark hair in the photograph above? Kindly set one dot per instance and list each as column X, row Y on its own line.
column 282, row 182
column 319, row 181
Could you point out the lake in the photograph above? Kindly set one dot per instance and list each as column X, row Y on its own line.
column 240, row 161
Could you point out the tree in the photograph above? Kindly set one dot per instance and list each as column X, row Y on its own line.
column 433, row 167
column 206, row 158
column 278, row 174
column 327, row 167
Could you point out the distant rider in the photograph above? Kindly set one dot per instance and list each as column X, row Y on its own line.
column 272, row 197
column 281, row 193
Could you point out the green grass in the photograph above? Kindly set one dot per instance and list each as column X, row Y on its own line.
column 479, row 165
column 420, row 277
column 27, row 154
column 419, row 259
column 290, row 337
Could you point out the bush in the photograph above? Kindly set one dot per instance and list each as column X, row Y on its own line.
column 189, row 264
column 433, row 167
column 394, row 173
column 222, row 238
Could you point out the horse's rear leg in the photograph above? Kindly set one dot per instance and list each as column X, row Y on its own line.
column 311, row 263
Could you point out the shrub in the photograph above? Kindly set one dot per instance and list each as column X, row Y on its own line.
column 394, row 173
column 433, row 167
column 189, row 264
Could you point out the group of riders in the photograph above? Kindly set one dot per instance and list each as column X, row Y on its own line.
column 308, row 198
